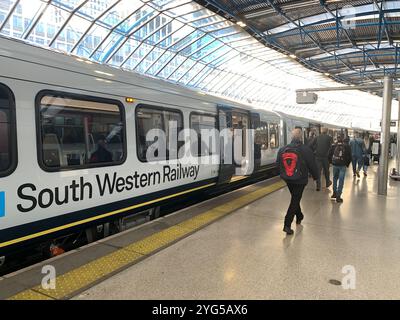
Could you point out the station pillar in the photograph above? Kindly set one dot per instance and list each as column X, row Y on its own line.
column 398, row 139
column 383, row 171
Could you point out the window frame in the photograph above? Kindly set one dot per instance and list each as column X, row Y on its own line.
column 277, row 135
column 158, row 108
column 267, row 132
column 82, row 97
column 197, row 113
column 12, row 131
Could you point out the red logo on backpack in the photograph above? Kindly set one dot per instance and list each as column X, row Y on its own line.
column 290, row 162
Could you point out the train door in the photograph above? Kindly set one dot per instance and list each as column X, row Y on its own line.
column 235, row 149
column 226, row 166
column 256, row 125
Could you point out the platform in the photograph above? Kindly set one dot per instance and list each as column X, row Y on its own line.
column 241, row 253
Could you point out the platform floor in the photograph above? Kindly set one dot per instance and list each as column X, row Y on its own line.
column 247, row 256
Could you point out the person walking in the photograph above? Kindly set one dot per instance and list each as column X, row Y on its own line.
column 295, row 161
column 323, row 144
column 367, row 153
column 312, row 140
column 340, row 157
column 357, row 151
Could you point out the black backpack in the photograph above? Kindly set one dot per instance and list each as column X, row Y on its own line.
column 338, row 158
column 292, row 165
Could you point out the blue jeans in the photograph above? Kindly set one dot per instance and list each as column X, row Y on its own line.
column 358, row 163
column 339, row 172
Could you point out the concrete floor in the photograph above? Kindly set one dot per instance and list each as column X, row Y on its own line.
column 247, row 256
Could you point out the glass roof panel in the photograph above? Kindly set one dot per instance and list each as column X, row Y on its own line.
column 120, row 13
column 23, row 17
column 178, row 33
column 187, row 41
column 183, row 10
column 93, row 9
column 70, row 35
column 206, row 22
column 216, row 26
column 182, row 69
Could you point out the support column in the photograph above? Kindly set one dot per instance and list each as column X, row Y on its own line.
column 398, row 140
column 383, row 171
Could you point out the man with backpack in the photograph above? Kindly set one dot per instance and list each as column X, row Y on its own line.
column 295, row 162
column 340, row 157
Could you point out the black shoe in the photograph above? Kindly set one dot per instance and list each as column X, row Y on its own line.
column 358, row 174
column 339, row 200
column 298, row 220
column 333, row 196
column 288, row 230
column 318, row 189
column 329, row 184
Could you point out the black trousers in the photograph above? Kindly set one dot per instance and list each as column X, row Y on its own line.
column 323, row 165
column 296, row 190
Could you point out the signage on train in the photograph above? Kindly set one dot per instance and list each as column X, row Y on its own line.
column 107, row 184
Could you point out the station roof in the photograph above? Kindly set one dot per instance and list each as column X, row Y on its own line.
column 199, row 46
column 355, row 42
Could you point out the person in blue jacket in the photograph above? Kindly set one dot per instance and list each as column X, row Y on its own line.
column 357, row 154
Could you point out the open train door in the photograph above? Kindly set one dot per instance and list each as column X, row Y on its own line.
column 255, row 125
column 226, row 165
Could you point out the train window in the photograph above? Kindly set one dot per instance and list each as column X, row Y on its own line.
column 199, row 123
column 148, row 118
column 77, row 132
column 274, row 135
column 261, row 135
column 7, row 131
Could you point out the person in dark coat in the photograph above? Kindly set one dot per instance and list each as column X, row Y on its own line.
column 101, row 154
column 307, row 164
column 312, row 141
column 323, row 144
column 340, row 157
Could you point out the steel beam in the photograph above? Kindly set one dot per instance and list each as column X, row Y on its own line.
column 383, row 170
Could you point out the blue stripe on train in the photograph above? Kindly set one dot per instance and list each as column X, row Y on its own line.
column 2, row 203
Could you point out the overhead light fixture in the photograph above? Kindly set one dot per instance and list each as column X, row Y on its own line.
column 327, row 74
column 293, row 56
column 241, row 24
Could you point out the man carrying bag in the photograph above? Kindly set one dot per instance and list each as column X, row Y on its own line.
column 295, row 162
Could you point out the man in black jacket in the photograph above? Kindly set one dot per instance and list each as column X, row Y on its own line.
column 295, row 162
column 323, row 144
column 340, row 157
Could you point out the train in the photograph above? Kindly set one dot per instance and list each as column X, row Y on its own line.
column 74, row 148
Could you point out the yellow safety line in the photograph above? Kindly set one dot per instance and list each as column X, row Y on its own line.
column 105, row 215
column 83, row 277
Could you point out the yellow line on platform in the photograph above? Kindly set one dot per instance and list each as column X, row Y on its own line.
column 76, row 280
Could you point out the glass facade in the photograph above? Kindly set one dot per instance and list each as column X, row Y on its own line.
column 185, row 43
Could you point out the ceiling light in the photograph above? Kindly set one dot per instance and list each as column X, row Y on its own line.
column 293, row 56
column 241, row 24
column 327, row 74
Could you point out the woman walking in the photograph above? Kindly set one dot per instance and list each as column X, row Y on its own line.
column 367, row 153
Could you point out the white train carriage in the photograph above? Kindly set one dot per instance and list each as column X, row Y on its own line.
column 73, row 143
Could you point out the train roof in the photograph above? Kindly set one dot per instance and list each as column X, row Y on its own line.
column 110, row 80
